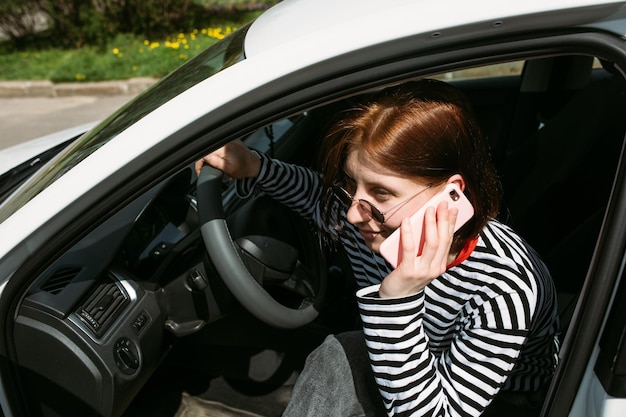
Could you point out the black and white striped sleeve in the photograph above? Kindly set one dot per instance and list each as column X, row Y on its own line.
column 294, row 186
column 461, row 380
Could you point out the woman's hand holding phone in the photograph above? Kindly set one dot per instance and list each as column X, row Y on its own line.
column 420, row 248
column 413, row 273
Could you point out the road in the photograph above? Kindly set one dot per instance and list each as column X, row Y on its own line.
column 24, row 118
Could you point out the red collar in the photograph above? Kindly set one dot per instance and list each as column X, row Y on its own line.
column 465, row 252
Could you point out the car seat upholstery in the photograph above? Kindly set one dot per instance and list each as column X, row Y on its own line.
column 557, row 185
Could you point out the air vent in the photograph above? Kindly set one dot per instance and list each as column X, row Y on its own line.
column 59, row 279
column 103, row 306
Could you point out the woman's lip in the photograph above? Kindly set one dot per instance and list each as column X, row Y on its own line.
column 368, row 234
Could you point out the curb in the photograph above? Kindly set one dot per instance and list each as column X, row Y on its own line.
column 44, row 88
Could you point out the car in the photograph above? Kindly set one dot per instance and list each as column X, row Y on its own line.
column 129, row 286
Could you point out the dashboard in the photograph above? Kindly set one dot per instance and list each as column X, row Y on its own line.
column 93, row 326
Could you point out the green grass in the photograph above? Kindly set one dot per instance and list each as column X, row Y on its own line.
column 127, row 56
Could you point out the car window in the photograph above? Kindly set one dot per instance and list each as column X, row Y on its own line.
column 487, row 71
column 263, row 140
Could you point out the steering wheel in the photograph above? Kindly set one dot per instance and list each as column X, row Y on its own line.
column 229, row 260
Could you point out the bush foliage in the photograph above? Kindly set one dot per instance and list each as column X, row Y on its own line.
column 75, row 23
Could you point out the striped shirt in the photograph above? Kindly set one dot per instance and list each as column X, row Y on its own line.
column 487, row 324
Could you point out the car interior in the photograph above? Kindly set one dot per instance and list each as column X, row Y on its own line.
column 135, row 320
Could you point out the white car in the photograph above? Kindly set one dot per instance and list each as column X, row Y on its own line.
column 120, row 290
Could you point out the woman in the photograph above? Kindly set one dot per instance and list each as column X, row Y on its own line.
column 471, row 319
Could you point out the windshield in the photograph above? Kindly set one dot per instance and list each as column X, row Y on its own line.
column 221, row 55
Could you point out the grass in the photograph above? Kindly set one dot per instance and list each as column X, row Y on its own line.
column 126, row 56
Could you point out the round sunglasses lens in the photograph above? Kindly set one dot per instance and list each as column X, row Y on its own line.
column 372, row 211
column 343, row 196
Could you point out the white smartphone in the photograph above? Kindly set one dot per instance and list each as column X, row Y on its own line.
column 390, row 248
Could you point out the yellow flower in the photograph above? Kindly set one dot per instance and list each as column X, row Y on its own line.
column 215, row 33
column 116, row 51
column 80, row 77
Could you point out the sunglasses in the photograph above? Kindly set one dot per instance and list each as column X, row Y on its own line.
column 348, row 199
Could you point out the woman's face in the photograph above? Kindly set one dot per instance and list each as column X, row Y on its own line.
column 395, row 196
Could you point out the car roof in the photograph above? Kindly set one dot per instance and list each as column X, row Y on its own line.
column 313, row 27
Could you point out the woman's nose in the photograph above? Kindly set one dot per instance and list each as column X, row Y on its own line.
column 356, row 214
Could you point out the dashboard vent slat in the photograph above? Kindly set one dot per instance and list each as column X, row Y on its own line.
column 60, row 279
column 102, row 306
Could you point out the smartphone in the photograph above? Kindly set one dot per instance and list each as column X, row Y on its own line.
column 390, row 248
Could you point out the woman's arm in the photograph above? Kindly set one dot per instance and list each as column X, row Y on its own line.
column 463, row 378
column 294, row 186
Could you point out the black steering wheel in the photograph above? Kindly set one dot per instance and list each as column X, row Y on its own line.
column 232, row 261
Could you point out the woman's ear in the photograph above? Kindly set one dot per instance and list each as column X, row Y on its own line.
column 458, row 180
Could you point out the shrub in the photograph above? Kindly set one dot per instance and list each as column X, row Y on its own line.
column 75, row 23
column 78, row 22
column 21, row 18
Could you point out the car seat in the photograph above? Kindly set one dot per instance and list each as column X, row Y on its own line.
column 557, row 185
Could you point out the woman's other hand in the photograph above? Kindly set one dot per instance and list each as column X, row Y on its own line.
column 235, row 159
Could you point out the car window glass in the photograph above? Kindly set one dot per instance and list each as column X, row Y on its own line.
column 487, row 71
column 263, row 139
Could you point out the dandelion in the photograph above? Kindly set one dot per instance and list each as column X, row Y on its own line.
column 215, row 33
column 80, row 77
column 116, row 51
column 154, row 45
column 146, row 42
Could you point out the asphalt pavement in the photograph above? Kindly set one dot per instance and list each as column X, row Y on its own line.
column 31, row 117
column 32, row 110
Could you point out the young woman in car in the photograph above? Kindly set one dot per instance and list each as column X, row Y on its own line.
column 470, row 320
